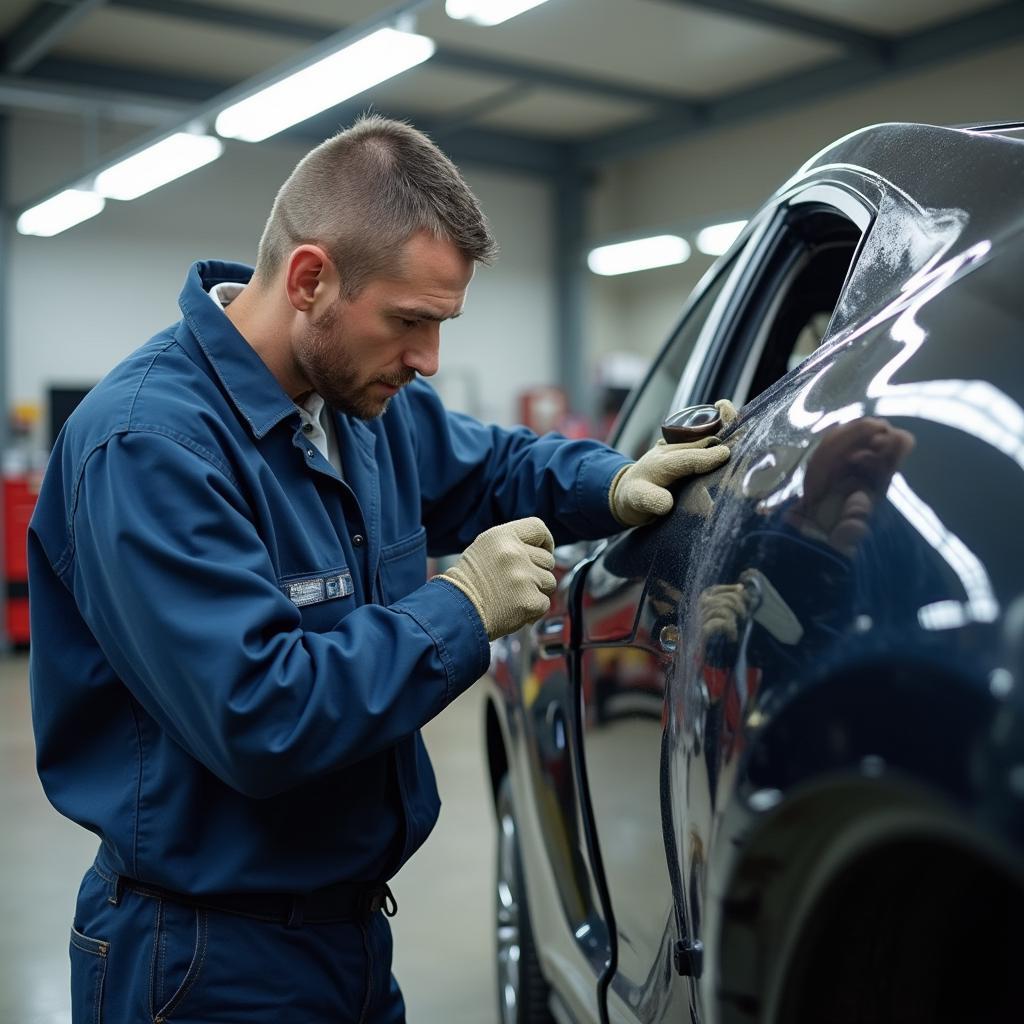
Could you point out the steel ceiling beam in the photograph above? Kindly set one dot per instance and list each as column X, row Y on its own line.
column 140, row 96
column 953, row 39
column 444, row 56
column 504, row 151
column 125, row 86
column 475, row 63
column 795, row 21
column 501, row 150
column 469, row 113
column 206, row 110
column 21, row 93
column 40, row 30
column 301, row 30
column 134, row 92
column 135, row 82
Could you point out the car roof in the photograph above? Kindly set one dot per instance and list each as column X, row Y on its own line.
column 1010, row 130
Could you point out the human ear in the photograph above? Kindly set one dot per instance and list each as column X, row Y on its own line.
column 310, row 278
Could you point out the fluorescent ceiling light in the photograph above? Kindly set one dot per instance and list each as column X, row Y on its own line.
column 63, row 211
column 359, row 66
column 717, row 238
column 158, row 164
column 642, row 254
column 488, row 12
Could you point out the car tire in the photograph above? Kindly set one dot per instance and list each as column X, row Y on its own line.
column 522, row 990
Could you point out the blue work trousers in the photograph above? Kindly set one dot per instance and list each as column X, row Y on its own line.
column 140, row 959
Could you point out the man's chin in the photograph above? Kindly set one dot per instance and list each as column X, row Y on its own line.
column 365, row 409
column 382, row 408
column 367, row 402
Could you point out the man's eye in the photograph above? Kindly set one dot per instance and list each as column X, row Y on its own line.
column 407, row 323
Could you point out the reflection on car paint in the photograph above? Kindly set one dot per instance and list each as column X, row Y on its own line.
column 981, row 604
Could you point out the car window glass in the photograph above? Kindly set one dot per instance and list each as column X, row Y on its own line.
column 641, row 427
column 787, row 313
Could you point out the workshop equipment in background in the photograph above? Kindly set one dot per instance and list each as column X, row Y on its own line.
column 22, row 476
column 20, row 492
column 546, row 408
column 616, row 374
column 543, row 408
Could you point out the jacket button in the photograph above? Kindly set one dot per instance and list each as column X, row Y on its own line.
column 358, row 539
column 310, row 453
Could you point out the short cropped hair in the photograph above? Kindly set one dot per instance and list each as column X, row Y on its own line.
column 362, row 194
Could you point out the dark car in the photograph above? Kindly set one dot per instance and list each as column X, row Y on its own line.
column 763, row 761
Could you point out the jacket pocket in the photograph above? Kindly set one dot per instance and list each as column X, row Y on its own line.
column 181, row 939
column 88, row 972
column 403, row 566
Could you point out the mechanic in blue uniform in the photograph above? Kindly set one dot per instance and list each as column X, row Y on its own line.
column 235, row 644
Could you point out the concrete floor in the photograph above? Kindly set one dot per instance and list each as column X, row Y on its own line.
column 443, row 932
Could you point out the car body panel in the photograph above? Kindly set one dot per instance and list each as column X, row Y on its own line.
column 740, row 676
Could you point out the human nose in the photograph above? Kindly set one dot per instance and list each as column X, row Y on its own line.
column 423, row 355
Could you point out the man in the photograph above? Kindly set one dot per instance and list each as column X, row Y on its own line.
column 235, row 644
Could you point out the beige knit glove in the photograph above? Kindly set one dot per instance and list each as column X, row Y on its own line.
column 639, row 492
column 723, row 608
column 506, row 573
column 727, row 411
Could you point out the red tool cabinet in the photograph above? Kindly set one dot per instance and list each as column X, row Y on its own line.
column 20, row 492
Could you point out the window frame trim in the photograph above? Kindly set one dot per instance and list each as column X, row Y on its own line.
column 702, row 374
column 725, row 264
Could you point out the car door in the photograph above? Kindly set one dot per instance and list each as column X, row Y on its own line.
column 565, row 904
column 641, row 598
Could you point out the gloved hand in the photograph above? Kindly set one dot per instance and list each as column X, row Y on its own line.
column 727, row 411
column 721, row 609
column 639, row 492
column 724, row 607
column 506, row 573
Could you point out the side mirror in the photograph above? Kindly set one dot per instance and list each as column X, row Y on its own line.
column 691, row 424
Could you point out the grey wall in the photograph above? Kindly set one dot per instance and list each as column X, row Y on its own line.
column 716, row 175
column 82, row 300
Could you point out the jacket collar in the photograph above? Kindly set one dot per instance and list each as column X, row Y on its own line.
column 251, row 386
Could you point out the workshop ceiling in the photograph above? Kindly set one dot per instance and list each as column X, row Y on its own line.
column 571, row 81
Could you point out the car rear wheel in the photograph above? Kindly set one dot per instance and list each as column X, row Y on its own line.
column 915, row 932
column 522, row 990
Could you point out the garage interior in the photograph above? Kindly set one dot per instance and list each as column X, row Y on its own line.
column 579, row 124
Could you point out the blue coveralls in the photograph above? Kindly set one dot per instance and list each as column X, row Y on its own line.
column 234, row 651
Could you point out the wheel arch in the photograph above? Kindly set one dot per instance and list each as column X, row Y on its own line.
column 801, row 873
column 857, row 790
column 495, row 748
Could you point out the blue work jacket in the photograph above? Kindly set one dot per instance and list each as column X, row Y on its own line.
column 233, row 648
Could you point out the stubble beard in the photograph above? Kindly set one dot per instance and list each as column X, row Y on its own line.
column 334, row 374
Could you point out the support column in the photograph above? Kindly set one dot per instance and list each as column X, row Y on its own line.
column 570, row 199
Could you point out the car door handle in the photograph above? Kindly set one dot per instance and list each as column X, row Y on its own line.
column 691, row 424
column 668, row 639
column 549, row 636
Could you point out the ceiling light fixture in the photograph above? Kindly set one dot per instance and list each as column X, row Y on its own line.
column 488, row 12
column 640, row 254
column 717, row 239
column 320, row 86
column 158, row 164
column 60, row 212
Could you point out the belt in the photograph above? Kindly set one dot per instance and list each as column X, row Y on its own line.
column 346, row 901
